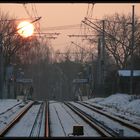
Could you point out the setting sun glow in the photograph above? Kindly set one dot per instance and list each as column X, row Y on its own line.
column 26, row 30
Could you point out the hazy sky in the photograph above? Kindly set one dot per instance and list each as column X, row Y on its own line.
column 66, row 14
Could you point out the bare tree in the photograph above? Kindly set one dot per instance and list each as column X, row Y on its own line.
column 11, row 41
column 118, row 34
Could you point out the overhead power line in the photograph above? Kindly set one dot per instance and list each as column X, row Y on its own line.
column 85, row 51
column 97, row 28
column 95, row 19
column 13, row 32
column 34, row 12
column 61, row 27
column 19, row 19
column 48, row 33
column 81, row 35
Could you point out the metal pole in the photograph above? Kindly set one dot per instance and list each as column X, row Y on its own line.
column 103, row 53
column 132, row 48
column 99, row 62
column 1, row 68
column 93, row 77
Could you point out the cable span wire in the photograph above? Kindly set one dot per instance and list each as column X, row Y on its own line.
column 13, row 32
column 101, row 30
column 61, row 27
column 31, row 17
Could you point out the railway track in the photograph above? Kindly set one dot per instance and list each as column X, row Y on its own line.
column 112, row 122
column 10, row 109
column 63, row 119
column 36, row 128
column 40, row 125
column 78, row 121
column 60, row 122
column 103, row 130
column 12, row 122
column 41, row 121
column 113, row 117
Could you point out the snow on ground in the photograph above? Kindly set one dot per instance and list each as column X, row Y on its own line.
column 107, row 121
column 7, row 103
column 24, row 126
column 123, row 105
column 118, row 100
column 55, row 126
column 95, row 100
column 133, row 107
column 8, row 116
column 9, row 109
column 63, row 120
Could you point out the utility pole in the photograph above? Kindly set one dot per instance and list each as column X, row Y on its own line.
column 101, row 60
column 103, row 54
column 132, row 49
column 92, row 77
column 1, row 67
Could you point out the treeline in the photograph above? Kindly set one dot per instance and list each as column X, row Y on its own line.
column 53, row 72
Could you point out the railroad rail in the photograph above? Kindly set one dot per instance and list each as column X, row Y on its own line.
column 16, row 118
column 95, row 124
column 113, row 117
column 47, row 128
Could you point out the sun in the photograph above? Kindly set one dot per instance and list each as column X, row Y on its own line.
column 26, row 29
